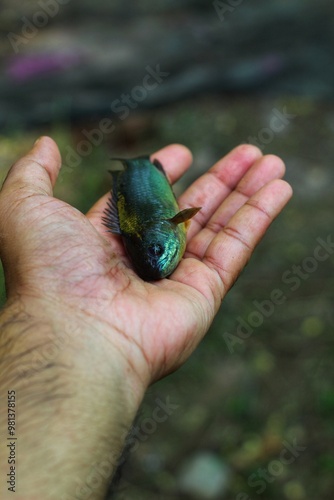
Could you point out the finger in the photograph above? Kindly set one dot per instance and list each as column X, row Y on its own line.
column 175, row 159
column 232, row 247
column 37, row 171
column 263, row 171
column 211, row 189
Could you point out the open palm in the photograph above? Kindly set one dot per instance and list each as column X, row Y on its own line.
column 51, row 251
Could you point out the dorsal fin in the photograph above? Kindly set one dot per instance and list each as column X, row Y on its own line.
column 129, row 162
column 157, row 164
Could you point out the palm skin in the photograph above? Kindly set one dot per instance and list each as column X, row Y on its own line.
column 52, row 253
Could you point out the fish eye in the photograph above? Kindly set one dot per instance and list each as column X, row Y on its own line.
column 155, row 250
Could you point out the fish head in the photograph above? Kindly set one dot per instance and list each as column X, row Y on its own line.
column 158, row 250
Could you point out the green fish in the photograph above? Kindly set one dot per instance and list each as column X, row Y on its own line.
column 144, row 211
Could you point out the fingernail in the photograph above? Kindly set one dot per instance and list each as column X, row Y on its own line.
column 37, row 141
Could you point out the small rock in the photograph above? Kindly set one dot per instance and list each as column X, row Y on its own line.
column 204, row 476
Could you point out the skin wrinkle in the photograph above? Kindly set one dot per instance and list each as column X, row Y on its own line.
column 48, row 215
column 161, row 353
column 29, row 288
column 92, row 251
column 222, row 183
column 218, row 267
column 214, row 228
column 73, row 269
column 97, row 277
column 22, row 321
column 191, row 255
column 201, row 217
column 71, row 256
column 50, row 225
column 107, row 300
column 81, row 290
column 258, row 206
column 30, row 372
column 23, row 353
column 31, row 161
column 188, row 278
column 194, row 288
column 234, row 233
column 67, row 227
column 199, row 324
column 120, row 276
column 44, row 390
column 273, row 170
column 234, row 188
column 242, row 193
column 216, row 300
column 132, row 340
column 14, row 319
column 26, row 189
column 31, row 223
column 194, row 327
column 218, row 296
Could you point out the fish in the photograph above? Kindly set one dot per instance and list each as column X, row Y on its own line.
column 143, row 210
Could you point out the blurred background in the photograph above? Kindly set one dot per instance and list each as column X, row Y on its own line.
column 251, row 415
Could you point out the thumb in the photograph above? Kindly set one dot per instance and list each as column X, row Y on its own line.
column 35, row 173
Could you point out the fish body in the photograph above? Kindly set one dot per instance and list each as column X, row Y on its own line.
column 144, row 211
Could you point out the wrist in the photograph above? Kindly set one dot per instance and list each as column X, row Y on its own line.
column 75, row 396
column 55, row 333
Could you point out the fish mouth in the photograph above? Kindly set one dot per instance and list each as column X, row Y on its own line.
column 160, row 269
column 149, row 267
column 152, row 270
column 151, row 273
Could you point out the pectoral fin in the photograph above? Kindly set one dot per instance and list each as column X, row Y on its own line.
column 185, row 215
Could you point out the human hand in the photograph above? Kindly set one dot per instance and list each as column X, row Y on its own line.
column 82, row 336
column 53, row 253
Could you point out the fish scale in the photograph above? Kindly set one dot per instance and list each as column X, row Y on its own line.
column 151, row 195
column 144, row 211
